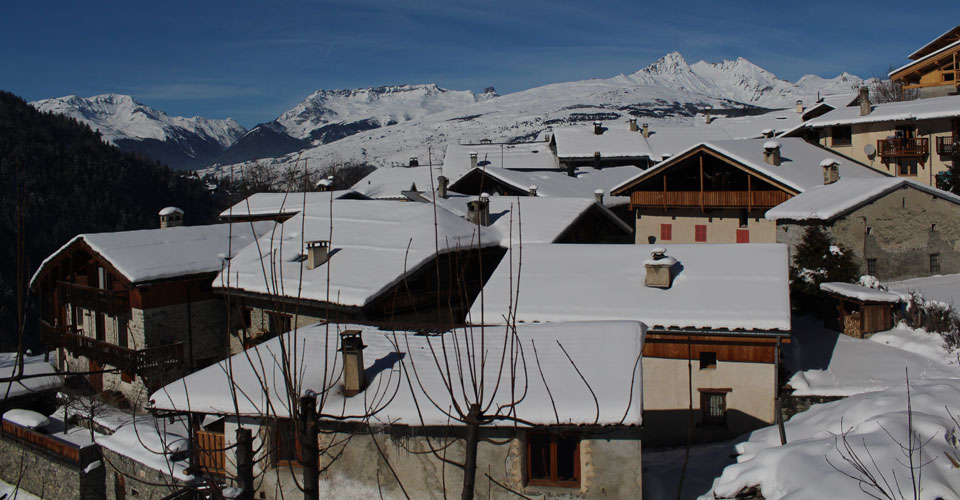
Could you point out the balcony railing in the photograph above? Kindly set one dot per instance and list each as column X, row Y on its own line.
column 111, row 302
column 708, row 199
column 131, row 361
column 947, row 145
column 915, row 147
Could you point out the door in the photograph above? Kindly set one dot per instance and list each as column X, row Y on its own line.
column 96, row 379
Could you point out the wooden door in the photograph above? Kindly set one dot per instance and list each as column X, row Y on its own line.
column 96, row 379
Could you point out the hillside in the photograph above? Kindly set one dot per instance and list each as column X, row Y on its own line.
column 62, row 179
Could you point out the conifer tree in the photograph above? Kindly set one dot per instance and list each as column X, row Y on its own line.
column 818, row 259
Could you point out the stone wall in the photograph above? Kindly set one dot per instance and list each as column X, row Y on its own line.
column 48, row 475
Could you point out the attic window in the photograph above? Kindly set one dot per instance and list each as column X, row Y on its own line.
column 708, row 360
column 553, row 459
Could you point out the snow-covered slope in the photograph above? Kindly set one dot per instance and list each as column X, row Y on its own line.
column 388, row 125
column 179, row 141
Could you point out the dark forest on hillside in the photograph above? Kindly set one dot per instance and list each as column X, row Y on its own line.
column 58, row 179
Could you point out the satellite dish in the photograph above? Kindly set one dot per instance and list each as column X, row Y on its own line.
column 870, row 150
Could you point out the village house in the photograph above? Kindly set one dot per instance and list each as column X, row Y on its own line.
column 597, row 146
column 914, row 139
column 933, row 70
column 564, row 401
column 135, row 309
column 385, row 262
column 717, row 317
column 279, row 207
column 719, row 192
column 525, row 156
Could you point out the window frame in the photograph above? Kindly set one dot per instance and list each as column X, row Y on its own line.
column 743, row 236
column 666, row 232
column 708, row 360
column 276, row 439
column 872, row 267
column 846, row 139
column 713, row 420
column 553, row 439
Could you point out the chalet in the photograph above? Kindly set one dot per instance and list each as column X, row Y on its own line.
column 913, row 139
column 135, row 308
column 599, row 147
column 717, row 316
column 719, row 192
column 934, row 69
column 367, row 261
column 565, row 401
column 894, row 227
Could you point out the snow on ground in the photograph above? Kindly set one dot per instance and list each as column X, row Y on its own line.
column 11, row 492
column 662, row 469
column 152, row 442
column 32, row 366
column 874, row 424
column 945, row 288
column 828, row 363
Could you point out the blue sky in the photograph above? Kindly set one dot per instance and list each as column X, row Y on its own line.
column 253, row 59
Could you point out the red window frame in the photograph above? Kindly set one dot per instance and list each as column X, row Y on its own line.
column 666, row 232
column 743, row 236
column 552, row 478
column 700, row 233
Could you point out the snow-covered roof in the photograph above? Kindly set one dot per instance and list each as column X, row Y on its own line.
column 267, row 204
column 942, row 288
column 826, row 202
column 920, row 109
column 373, row 244
column 402, row 372
column 171, row 211
column 32, row 366
column 155, row 254
column 518, row 156
column 862, row 293
column 721, row 286
column 936, row 42
column 26, row 418
column 616, row 141
column 559, row 184
column 923, row 59
column 390, row 182
column 799, row 167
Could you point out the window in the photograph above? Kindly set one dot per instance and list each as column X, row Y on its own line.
column 743, row 236
column 246, row 315
column 842, row 136
column 713, row 406
column 907, row 167
column 553, row 459
column 666, row 232
column 286, row 442
column 934, row 263
column 278, row 323
column 700, row 233
column 869, row 229
column 708, row 360
column 744, row 223
column 872, row 267
column 122, row 339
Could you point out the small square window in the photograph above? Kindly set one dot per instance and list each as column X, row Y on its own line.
column 666, row 232
column 708, row 360
column 700, row 233
column 553, row 459
column 713, row 406
column 841, row 136
column 872, row 267
column 286, row 442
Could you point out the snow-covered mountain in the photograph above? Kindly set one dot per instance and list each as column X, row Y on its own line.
column 391, row 124
column 185, row 143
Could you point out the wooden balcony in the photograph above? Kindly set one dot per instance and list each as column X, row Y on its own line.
column 947, row 145
column 708, row 199
column 131, row 361
column 111, row 302
column 912, row 147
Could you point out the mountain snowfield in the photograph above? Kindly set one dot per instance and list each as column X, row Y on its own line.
column 669, row 91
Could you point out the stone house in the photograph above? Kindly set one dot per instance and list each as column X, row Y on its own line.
column 567, row 400
column 135, row 309
column 933, row 70
column 717, row 316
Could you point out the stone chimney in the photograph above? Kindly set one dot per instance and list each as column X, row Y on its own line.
column 414, row 161
column 864, row 101
column 707, row 111
column 771, row 153
column 171, row 217
column 354, row 378
column 532, row 190
column 473, row 159
column 571, row 170
column 646, row 130
column 767, row 133
column 597, row 128
column 659, row 268
column 478, row 211
column 442, row 184
column 799, row 106
column 632, row 124
column 598, row 194
column 831, row 171
column 318, row 252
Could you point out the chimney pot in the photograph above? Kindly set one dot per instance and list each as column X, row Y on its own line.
column 478, row 211
column 597, row 128
column 646, row 130
column 864, row 101
column 771, row 153
column 598, row 194
column 632, row 124
column 324, row 185
column 831, row 171
column 473, row 159
column 171, row 217
column 318, row 252
column 659, row 268
column 707, row 111
column 767, row 133
column 354, row 378
column 532, row 190
column 799, row 106
column 442, row 184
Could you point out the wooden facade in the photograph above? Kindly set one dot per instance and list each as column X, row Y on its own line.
column 935, row 64
column 738, row 347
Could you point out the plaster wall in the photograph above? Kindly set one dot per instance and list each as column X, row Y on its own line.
column 722, row 226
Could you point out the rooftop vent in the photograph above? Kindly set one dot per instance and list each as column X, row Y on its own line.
column 771, row 153
column 632, row 124
column 354, row 378
column 478, row 211
column 864, row 101
column 831, row 171
column 597, row 128
column 171, row 217
column 659, row 268
column 532, row 190
column 318, row 252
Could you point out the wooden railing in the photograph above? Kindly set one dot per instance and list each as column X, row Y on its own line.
column 210, row 452
column 947, row 145
column 917, row 146
column 111, row 302
column 130, row 361
column 708, row 199
column 48, row 443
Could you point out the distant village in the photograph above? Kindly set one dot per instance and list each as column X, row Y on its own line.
column 524, row 320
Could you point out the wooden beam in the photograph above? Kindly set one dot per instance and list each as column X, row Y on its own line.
column 701, row 183
column 664, row 190
column 749, row 195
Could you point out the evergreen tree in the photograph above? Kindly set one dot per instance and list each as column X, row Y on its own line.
column 818, row 259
